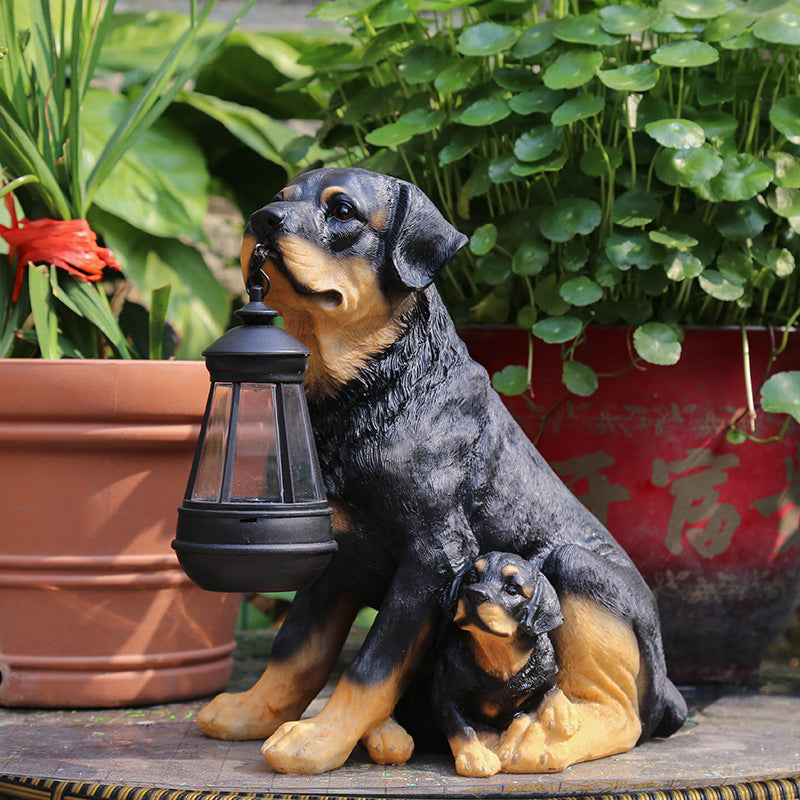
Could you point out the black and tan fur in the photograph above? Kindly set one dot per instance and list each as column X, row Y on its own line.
column 495, row 659
column 425, row 469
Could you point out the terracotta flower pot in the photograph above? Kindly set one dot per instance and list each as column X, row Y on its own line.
column 94, row 459
column 713, row 527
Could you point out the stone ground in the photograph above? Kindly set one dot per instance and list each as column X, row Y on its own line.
column 734, row 738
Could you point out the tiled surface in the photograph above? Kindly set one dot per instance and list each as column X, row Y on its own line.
column 733, row 738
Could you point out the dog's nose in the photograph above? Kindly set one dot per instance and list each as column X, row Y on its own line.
column 475, row 595
column 267, row 220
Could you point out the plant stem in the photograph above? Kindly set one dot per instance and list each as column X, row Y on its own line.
column 748, row 380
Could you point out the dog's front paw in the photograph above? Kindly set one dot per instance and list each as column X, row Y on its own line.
column 474, row 760
column 558, row 716
column 306, row 747
column 388, row 743
column 236, row 717
column 522, row 745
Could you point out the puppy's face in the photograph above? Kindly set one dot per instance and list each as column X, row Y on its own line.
column 344, row 249
column 503, row 595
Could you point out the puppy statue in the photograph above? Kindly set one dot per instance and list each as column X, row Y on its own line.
column 496, row 659
column 424, row 469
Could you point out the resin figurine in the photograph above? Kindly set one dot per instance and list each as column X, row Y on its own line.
column 425, row 469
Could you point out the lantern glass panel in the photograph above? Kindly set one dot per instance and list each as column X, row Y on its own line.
column 256, row 463
column 306, row 480
column 210, row 467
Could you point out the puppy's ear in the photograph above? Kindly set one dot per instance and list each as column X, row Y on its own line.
column 544, row 610
column 420, row 240
column 451, row 600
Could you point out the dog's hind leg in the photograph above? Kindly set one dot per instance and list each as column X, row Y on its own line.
column 304, row 653
column 595, row 710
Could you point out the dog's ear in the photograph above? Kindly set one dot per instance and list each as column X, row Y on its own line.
column 420, row 241
column 451, row 599
column 544, row 610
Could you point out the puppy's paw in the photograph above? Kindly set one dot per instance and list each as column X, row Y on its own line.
column 473, row 760
column 558, row 716
column 388, row 743
column 237, row 717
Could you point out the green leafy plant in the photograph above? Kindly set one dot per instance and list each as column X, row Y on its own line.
column 73, row 150
column 633, row 164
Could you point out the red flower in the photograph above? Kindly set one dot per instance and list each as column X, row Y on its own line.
column 68, row 244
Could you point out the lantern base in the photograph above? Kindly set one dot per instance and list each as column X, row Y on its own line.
column 230, row 551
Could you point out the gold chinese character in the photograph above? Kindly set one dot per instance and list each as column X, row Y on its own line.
column 599, row 492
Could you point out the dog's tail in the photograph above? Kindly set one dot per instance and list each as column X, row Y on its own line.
column 675, row 711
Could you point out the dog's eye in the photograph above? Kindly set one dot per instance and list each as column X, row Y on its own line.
column 343, row 212
column 511, row 589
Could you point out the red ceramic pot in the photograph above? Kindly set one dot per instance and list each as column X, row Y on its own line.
column 713, row 527
column 94, row 608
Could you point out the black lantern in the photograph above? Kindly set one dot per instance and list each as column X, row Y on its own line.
column 255, row 515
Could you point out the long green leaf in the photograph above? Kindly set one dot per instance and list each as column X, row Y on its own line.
column 93, row 304
column 154, row 99
column 44, row 315
column 159, row 300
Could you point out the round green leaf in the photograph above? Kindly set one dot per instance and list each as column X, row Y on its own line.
column 486, row 111
column 781, row 394
column 566, row 218
column 406, row 128
column 780, row 27
column 678, row 133
column 731, row 24
column 535, row 40
column 557, row 330
column 657, row 343
column 676, row 241
column 581, row 107
column 631, row 77
column 787, row 169
column 690, row 53
column 585, row 29
column 492, row 269
column 500, row 168
column 581, row 291
column 688, row 167
column 632, row 249
column 719, row 287
column 553, row 164
column 711, row 91
column 574, row 255
column 597, row 161
column 580, row 379
column 423, row 64
column 780, row 261
column 456, row 77
column 741, row 220
column 516, row 79
column 572, row 69
column 625, row 20
column 483, row 240
column 538, row 143
column 735, row 265
column 742, row 176
column 486, row 39
column 511, row 380
column 537, row 101
column 634, row 208
column 695, row 9
column 784, row 202
column 548, row 298
column 717, row 125
column 527, row 316
column 462, row 144
column 680, row 265
column 785, row 117
column 669, row 23
column 530, row 258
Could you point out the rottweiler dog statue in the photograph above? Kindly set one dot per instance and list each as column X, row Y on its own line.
column 495, row 659
column 425, row 469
